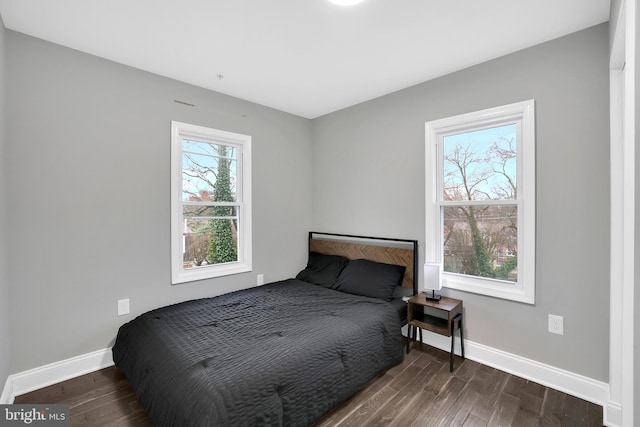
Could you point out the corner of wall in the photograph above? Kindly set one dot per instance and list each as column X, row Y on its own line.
column 4, row 280
column 7, row 397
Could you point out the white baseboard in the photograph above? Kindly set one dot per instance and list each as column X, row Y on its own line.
column 568, row 382
column 43, row 376
column 6, row 398
column 613, row 414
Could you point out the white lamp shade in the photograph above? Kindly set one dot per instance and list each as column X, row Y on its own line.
column 433, row 276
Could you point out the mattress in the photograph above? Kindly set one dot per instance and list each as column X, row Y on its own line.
column 283, row 354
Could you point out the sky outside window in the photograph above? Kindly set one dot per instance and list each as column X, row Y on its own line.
column 480, row 165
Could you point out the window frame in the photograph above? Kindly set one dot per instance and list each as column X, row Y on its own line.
column 523, row 115
column 242, row 143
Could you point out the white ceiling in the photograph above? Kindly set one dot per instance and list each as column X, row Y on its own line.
column 306, row 57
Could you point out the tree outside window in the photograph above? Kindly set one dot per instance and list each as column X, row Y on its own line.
column 481, row 239
column 209, row 175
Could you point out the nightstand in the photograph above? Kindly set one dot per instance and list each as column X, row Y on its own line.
column 443, row 317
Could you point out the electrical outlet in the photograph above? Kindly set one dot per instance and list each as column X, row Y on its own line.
column 260, row 279
column 123, row 307
column 556, row 324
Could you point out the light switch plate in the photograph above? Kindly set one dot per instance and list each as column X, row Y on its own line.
column 123, row 307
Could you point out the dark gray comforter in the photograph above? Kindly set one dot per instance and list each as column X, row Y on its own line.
column 281, row 354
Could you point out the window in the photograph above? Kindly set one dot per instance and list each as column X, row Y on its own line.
column 210, row 202
column 480, row 213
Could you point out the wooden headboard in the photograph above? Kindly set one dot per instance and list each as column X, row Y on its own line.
column 380, row 249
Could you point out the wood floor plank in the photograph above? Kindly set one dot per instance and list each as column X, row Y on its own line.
column 576, row 411
column 76, row 400
column 525, row 419
column 473, row 421
column 532, row 399
column 105, row 409
column 595, row 415
column 105, row 413
column 408, row 360
column 488, row 382
column 136, row 419
column 407, row 376
column 466, row 370
column 552, row 408
column 410, row 413
column 507, row 407
column 361, row 415
column 424, row 398
column 515, row 386
column 535, row 389
column 435, row 377
column 463, row 406
column 342, row 411
column 392, row 409
column 420, row 391
column 406, row 395
column 444, row 401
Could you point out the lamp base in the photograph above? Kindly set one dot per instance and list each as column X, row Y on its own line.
column 432, row 296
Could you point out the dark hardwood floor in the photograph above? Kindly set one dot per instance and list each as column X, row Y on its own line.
column 419, row 392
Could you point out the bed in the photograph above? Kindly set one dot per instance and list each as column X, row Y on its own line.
column 281, row 354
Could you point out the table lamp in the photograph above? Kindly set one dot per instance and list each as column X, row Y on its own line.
column 432, row 280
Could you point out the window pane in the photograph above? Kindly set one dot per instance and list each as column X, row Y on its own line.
column 480, row 165
column 209, row 241
column 481, row 241
column 208, row 172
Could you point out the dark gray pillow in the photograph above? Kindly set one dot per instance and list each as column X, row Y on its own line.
column 323, row 269
column 370, row 279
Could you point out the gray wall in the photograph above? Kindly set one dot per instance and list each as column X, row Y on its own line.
column 368, row 178
column 4, row 280
column 636, row 338
column 88, row 153
column 614, row 11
